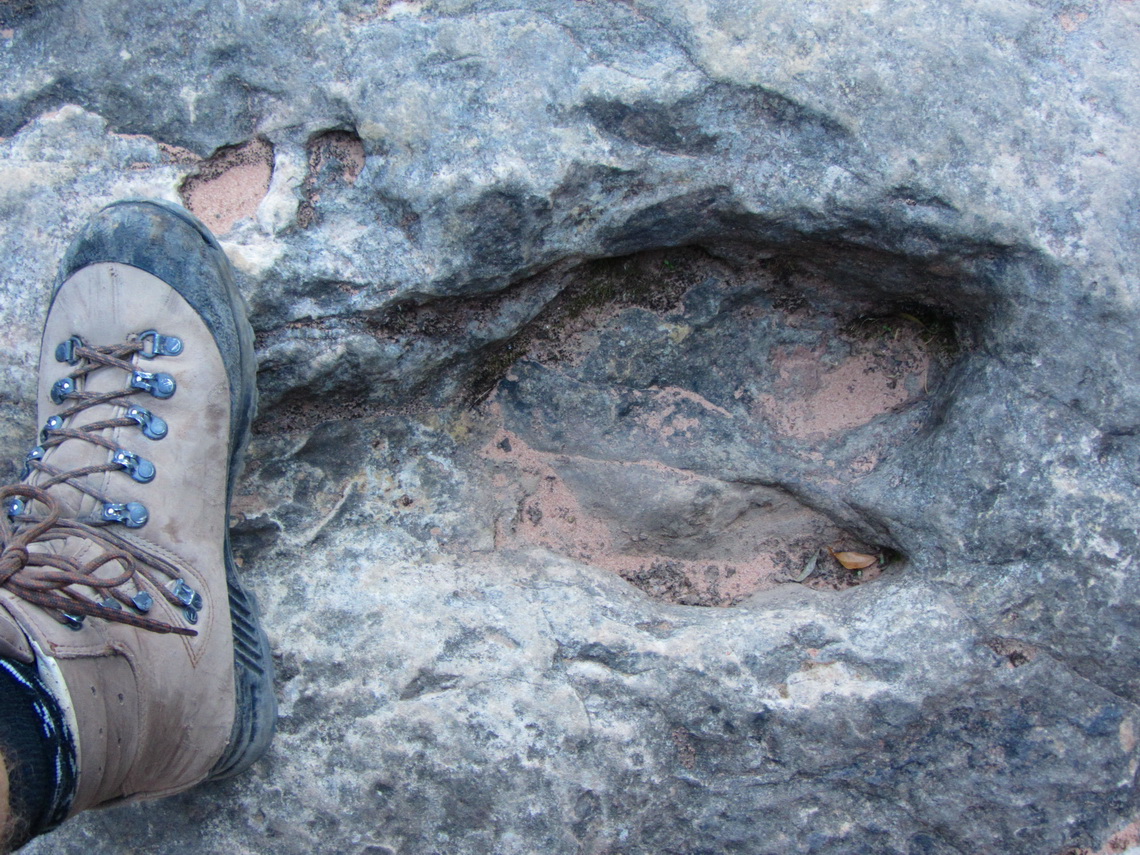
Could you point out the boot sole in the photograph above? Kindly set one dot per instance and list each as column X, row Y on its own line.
column 174, row 255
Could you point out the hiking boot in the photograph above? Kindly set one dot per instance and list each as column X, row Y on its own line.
column 116, row 577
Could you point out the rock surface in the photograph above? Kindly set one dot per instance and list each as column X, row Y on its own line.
column 581, row 328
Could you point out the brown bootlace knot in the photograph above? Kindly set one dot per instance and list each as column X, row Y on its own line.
column 13, row 559
column 48, row 578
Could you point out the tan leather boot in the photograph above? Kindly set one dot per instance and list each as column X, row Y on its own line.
column 116, row 577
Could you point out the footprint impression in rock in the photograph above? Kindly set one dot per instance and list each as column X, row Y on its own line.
column 693, row 425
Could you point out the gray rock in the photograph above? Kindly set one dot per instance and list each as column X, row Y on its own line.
column 582, row 328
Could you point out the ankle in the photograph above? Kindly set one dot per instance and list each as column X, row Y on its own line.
column 38, row 755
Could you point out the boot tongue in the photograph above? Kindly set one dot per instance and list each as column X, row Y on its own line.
column 74, row 454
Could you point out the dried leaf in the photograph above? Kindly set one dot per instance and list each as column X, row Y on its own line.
column 853, row 560
column 809, row 568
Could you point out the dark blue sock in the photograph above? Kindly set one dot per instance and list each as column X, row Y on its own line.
column 38, row 751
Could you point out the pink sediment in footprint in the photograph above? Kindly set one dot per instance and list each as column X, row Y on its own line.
column 344, row 152
column 813, row 399
column 665, row 420
column 550, row 515
column 229, row 185
column 341, row 147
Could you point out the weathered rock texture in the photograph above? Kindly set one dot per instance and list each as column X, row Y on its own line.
column 574, row 315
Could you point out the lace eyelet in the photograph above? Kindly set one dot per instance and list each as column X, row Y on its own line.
column 153, row 427
column 131, row 514
column 160, row 345
column 161, row 385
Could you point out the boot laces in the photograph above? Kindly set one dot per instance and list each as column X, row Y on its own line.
column 50, row 578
